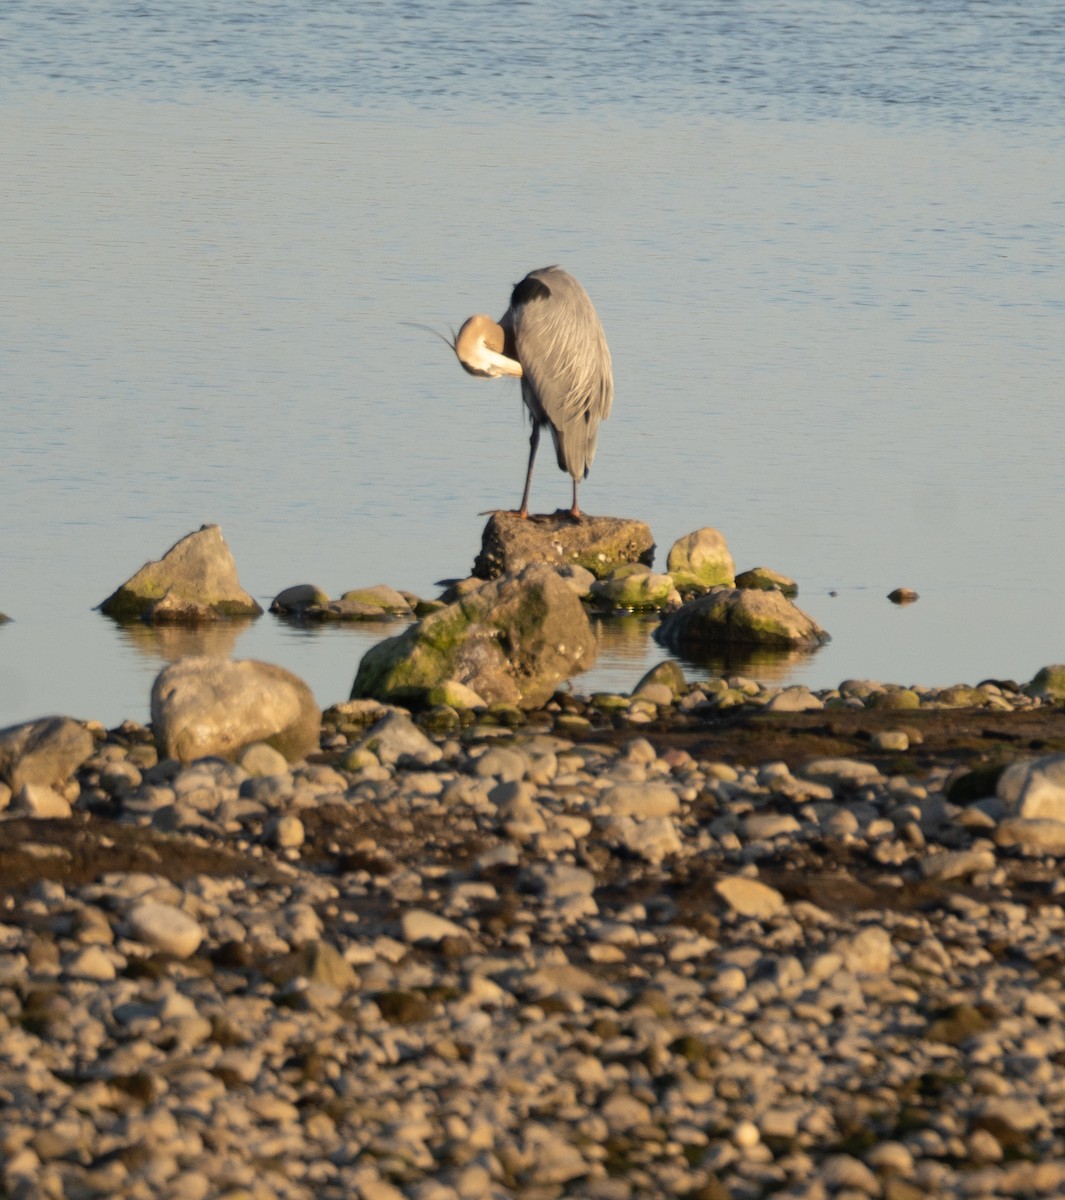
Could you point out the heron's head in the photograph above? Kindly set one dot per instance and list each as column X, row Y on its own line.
column 479, row 347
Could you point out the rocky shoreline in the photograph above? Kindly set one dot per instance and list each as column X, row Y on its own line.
column 719, row 940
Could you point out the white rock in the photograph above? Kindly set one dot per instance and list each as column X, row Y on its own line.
column 396, row 736
column 204, row 706
column 40, row 801
column 1034, row 835
column 91, row 963
column 653, row 839
column 642, row 800
column 868, row 952
column 165, row 927
column 420, row 925
column 749, row 897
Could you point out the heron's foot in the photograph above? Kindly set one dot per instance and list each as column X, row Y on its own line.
column 573, row 514
column 523, row 513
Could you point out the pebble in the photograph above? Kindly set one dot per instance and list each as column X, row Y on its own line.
column 166, row 928
column 497, row 961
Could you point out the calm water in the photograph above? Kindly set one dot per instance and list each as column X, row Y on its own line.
column 827, row 242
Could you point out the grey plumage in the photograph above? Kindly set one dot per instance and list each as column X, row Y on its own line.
column 552, row 337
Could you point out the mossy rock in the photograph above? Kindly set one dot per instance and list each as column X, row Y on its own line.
column 633, row 587
column 735, row 616
column 767, row 580
column 510, row 640
column 701, row 560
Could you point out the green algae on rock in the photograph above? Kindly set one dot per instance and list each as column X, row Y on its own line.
column 195, row 580
column 736, row 616
column 599, row 544
column 512, row 639
column 635, row 588
column 701, row 560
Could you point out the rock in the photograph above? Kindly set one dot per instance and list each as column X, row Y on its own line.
column 296, row 600
column 634, row 587
column 419, row 925
column 653, row 839
column 1032, row 835
column 1048, row 683
column 46, row 752
column 701, row 560
column 669, row 672
column 196, row 580
column 732, row 616
column 767, row 580
column 840, row 774
column 794, row 699
column 511, row 640
column 510, row 544
column 40, row 801
column 211, row 706
column 867, row 952
column 322, row 963
column 286, row 832
column 165, row 927
column 455, row 695
column 902, row 595
column 377, row 603
column 642, row 800
column 1043, row 793
column 382, row 597
column 260, row 760
column 395, row 737
column 957, row 864
column 749, row 897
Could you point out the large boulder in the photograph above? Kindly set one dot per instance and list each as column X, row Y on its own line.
column 195, row 580
column 511, row 639
column 509, row 543
column 701, row 560
column 727, row 616
column 210, row 706
column 44, row 752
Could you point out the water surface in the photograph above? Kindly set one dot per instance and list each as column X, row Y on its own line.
column 826, row 243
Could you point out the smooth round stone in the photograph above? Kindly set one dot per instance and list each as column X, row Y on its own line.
column 895, row 740
column 288, row 832
column 166, row 928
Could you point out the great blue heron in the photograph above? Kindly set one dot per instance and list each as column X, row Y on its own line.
column 551, row 338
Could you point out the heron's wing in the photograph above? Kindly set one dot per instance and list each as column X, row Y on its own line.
column 568, row 379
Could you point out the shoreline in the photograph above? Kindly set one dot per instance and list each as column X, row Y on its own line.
column 702, row 945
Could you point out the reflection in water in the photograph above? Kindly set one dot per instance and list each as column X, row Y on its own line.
column 168, row 643
column 625, row 637
column 766, row 665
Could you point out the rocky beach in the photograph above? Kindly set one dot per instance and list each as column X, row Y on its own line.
column 704, row 940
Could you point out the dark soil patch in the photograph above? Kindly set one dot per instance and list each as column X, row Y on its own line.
column 82, row 849
column 951, row 737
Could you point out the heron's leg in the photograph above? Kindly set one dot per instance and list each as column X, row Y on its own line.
column 534, row 441
column 575, row 512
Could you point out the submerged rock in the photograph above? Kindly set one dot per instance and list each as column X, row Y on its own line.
column 211, row 706
column 195, row 580
column 735, row 616
column 509, row 543
column 296, row 600
column 701, row 560
column 512, row 640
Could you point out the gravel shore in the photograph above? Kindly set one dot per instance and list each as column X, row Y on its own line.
column 729, row 942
